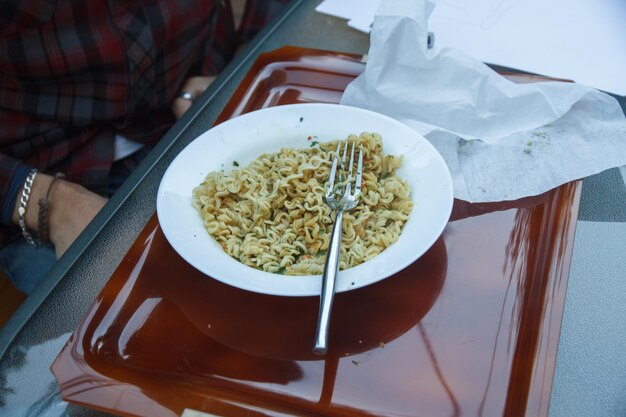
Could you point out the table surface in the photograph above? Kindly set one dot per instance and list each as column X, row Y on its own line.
column 590, row 376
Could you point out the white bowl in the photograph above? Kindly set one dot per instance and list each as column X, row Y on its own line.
column 244, row 138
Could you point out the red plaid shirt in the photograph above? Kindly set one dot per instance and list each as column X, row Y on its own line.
column 73, row 74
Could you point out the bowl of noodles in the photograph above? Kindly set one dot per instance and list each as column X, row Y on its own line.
column 244, row 202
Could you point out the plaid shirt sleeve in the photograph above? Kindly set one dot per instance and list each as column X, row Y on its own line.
column 76, row 73
column 16, row 15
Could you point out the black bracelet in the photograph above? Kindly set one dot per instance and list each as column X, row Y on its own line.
column 43, row 223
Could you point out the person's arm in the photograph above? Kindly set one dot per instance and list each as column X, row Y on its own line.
column 71, row 207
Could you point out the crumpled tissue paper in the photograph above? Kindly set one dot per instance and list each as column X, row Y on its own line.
column 501, row 140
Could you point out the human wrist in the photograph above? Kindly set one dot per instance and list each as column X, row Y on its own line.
column 38, row 190
column 73, row 207
column 43, row 218
column 62, row 199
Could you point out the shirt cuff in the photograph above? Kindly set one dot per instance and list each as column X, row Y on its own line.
column 8, row 194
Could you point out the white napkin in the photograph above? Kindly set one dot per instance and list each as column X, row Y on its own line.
column 501, row 140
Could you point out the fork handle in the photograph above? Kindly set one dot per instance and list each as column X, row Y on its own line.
column 331, row 268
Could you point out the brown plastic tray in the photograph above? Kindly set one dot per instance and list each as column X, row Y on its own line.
column 470, row 329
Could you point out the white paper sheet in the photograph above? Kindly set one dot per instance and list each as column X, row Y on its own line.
column 579, row 40
column 501, row 140
column 359, row 13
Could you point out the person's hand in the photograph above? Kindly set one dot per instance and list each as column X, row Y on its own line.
column 195, row 86
column 70, row 209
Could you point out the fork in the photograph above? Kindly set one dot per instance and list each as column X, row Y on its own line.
column 340, row 199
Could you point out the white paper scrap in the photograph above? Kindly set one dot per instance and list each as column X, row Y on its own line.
column 501, row 140
column 350, row 9
column 577, row 40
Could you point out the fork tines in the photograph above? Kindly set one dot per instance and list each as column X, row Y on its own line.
column 346, row 167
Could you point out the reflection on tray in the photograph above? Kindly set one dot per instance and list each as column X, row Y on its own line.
column 269, row 326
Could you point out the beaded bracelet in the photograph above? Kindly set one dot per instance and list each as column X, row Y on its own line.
column 42, row 220
column 21, row 211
